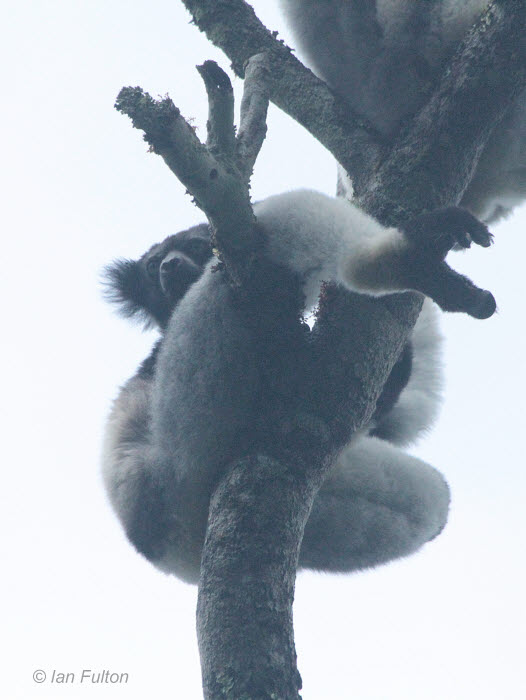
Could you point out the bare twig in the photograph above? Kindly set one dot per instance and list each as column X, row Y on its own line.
column 217, row 188
column 432, row 162
column 254, row 107
column 233, row 26
column 220, row 125
column 490, row 70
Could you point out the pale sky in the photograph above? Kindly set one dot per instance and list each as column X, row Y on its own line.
column 81, row 189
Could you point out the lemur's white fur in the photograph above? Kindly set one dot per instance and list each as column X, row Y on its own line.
column 351, row 247
column 417, row 409
column 168, row 439
column 382, row 57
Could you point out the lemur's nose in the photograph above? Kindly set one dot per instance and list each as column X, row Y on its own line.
column 171, row 261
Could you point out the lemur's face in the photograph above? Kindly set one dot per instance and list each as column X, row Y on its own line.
column 175, row 264
column 151, row 286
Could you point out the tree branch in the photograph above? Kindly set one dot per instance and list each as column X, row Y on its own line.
column 213, row 181
column 433, row 161
column 247, row 582
column 233, row 26
column 254, row 108
column 221, row 139
column 486, row 73
column 321, row 386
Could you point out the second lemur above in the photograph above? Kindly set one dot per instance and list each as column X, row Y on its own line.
column 384, row 57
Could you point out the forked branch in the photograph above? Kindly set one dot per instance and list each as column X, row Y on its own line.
column 216, row 174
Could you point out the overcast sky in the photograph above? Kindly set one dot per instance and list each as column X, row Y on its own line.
column 81, row 189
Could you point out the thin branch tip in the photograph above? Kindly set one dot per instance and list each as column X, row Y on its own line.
column 212, row 73
column 220, row 124
column 154, row 117
column 254, row 109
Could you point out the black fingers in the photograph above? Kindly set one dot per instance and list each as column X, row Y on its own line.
column 466, row 227
column 454, row 292
column 430, row 237
column 436, row 232
column 485, row 306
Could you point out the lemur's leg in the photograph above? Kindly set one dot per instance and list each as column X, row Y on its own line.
column 132, row 478
column 377, row 504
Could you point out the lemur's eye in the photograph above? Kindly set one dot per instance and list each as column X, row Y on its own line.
column 152, row 268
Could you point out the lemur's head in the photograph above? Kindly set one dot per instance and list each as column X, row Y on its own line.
column 149, row 288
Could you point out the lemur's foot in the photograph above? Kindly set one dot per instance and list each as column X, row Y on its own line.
column 430, row 238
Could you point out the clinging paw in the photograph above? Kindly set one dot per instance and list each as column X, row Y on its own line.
column 435, row 233
column 430, row 237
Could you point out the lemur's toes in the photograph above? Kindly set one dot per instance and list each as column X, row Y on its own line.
column 439, row 231
column 480, row 235
column 467, row 229
column 482, row 305
column 454, row 292
column 463, row 239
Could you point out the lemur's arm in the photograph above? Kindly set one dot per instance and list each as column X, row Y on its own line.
column 325, row 238
column 417, row 261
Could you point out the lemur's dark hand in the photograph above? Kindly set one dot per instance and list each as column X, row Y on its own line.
column 436, row 232
column 430, row 237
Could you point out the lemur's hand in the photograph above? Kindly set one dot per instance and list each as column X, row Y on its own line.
column 430, row 237
column 436, row 232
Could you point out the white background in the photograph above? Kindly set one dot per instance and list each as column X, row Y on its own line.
column 81, row 189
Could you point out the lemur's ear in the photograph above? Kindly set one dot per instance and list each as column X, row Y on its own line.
column 124, row 287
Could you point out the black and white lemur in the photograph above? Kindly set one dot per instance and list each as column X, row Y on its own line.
column 187, row 412
column 384, row 56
